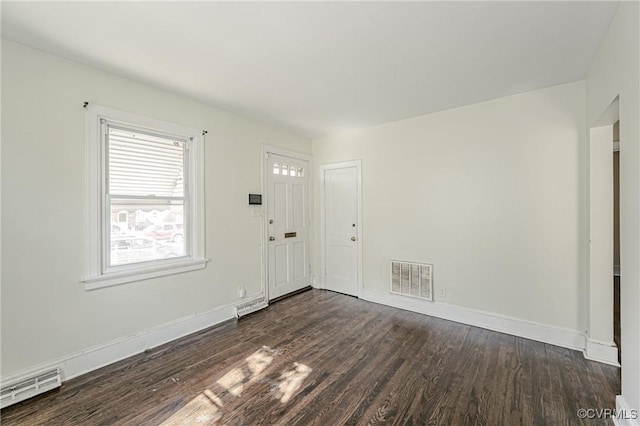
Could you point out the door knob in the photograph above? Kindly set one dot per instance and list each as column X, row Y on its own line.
column 272, row 238
column 353, row 238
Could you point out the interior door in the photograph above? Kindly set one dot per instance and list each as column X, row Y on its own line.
column 341, row 229
column 287, row 225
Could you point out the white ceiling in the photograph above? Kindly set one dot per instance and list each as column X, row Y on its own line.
column 320, row 68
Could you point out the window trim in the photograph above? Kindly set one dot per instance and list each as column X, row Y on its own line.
column 95, row 274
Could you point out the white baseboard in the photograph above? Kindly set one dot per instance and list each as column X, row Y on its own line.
column 567, row 338
column 90, row 359
column 628, row 416
column 607, row 353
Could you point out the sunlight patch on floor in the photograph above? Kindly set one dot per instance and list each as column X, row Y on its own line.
column 259, row 360
column 236, row 379
column 233, row 381
column 206, row 408
column 213, row 397
column 291, row 380
column 200, row 410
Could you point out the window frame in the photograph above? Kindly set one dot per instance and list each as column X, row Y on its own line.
column 97, row 273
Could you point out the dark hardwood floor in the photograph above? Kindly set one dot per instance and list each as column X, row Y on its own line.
column 328, row 359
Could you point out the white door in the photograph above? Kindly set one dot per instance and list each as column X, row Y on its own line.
column 287, row 224
column 341, row 229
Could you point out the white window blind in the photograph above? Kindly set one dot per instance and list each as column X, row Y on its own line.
column 145, row 165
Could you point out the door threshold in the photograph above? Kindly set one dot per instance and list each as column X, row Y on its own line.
column 344, row 294
column 293, row 293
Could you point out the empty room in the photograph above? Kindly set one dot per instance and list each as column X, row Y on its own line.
column 320, row 213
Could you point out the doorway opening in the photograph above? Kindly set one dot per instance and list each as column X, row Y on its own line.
column 604, row 247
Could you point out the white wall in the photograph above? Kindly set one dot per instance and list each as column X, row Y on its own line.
column 46, row 313
column 493, row 194
column 615, row 72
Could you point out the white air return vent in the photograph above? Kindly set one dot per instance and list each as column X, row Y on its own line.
column 250, row 306
column 30, row 386
column 411, row 279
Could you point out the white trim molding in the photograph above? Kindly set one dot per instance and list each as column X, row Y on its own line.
column 600, row 244
column 625, row 415
column 564, row 337
column 97, row 271
column 285, row 152
column 604, row 352
column 142, row 274
column 85, row 361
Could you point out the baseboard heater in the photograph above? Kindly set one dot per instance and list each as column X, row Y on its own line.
column 28, row 387
column 250, row 306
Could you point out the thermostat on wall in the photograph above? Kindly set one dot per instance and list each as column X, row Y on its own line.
column 255, row 199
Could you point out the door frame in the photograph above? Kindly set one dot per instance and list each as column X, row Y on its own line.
column 600, row 345
column 272, row 149
column 323, row 237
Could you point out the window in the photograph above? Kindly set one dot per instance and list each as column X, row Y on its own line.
column 144, row 198
column 287, row 170
column 144, row 175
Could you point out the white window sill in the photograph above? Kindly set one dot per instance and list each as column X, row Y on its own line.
column 117, row 278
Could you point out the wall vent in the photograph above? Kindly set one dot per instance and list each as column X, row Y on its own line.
column 411, row 279
column 250, row 306
column 31, row 386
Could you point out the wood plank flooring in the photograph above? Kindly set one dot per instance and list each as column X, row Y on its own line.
column 322, row 358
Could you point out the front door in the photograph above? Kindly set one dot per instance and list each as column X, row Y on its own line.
column 287, row 224
column 341, row 229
